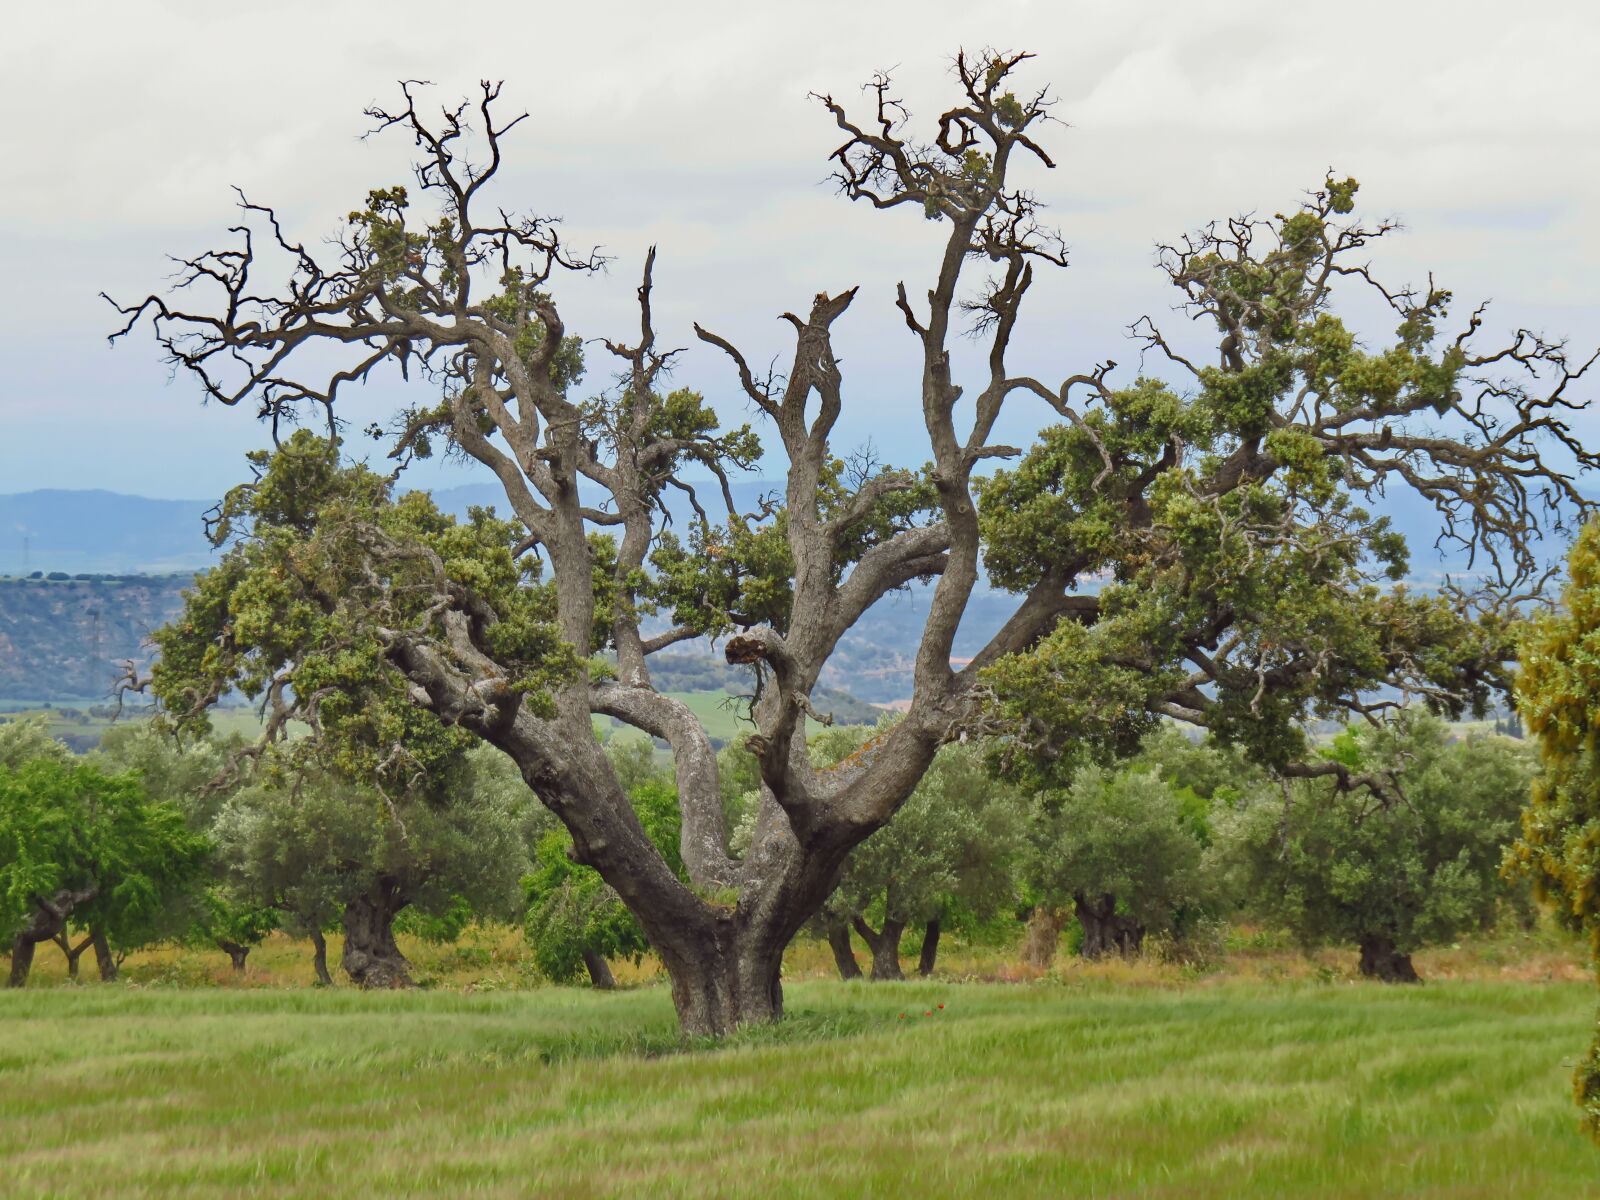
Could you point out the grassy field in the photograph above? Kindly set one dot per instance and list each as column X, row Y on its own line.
column 1123, row 1081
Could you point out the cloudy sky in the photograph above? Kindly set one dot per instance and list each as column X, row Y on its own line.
column 687, row 125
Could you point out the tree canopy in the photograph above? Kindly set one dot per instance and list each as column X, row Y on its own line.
column 1197, row 545
column 1388, row 875
column 77, row 844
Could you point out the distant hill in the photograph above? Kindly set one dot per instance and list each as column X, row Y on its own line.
column 64, row 642
column 101, row 532
column 66, row 639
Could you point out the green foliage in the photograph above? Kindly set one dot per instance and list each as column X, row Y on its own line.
column 1558, row 696
column 1133, row 834
column 321, row 560
column 67, row 826
column 571, row 910
column 1342, row 867
column 1226, row 525
column 28, row 740
column 951, row 851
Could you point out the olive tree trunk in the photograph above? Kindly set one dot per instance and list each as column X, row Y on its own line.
column 319, row 958
column 71, row 953
column 104, row 959
column 49, row 921
column 371, row 958
column 236, row 954
column 843, row 956
column 930, row 949
column 885, row 947
column 599, row 971
column 1043, row 937
column 1380, row 960
column 1104, row 930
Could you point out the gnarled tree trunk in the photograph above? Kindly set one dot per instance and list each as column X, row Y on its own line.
column 1043, row 937
column 236, row 954
column 843, row 956
column 885, row 947
column 103, row 958
column 930, row 948
column 1104, row 931
column 1380, row 960
column 49, row 920
column 71, row 953
column 371, row 957
column 599, row 971
column 319, row 958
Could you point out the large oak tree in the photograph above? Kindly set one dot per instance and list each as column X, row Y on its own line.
column 1225, row 507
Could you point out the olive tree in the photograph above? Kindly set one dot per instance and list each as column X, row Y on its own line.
column 1123, row 851
column 1224, row 503
column 327, row 852
column 1387, row 876
column 954, row 845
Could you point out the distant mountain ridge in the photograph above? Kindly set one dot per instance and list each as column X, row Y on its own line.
column 61, row 641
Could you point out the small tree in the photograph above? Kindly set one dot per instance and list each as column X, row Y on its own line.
column 1388, row 875
column 192, row 775
column 955, row 843
column 1122, row 849
column 1558, row 697
column 81, row 846
column 326, row 852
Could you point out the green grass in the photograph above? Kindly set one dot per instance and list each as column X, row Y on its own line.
column 1452, row 1089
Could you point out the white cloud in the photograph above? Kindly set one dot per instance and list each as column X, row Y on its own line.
column 687, row 125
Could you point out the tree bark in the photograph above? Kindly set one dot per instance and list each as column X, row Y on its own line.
column 104, row 959
column 1380, row 960
column 599, row 971
column 48, row 921
column 843, row 956
column 1104, row 930
column 728, row 984
column 1043, row 937
column 319, row 958
column 885, row 947
column 930, row 948
column 71, row 952
column 236, row 954
column 371, row 957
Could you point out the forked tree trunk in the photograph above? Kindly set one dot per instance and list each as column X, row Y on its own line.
column 885, row 947
column 1380, row 960
column 319, row 958
column 48, row 921
column 371, row 957
column 71, row 952
column 103, row 958
column 599, row 971
column 236, row 954
column 1044, row 935
column 843, row 956
column 1104, row 931
column 726, row 985
column 930, row 949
